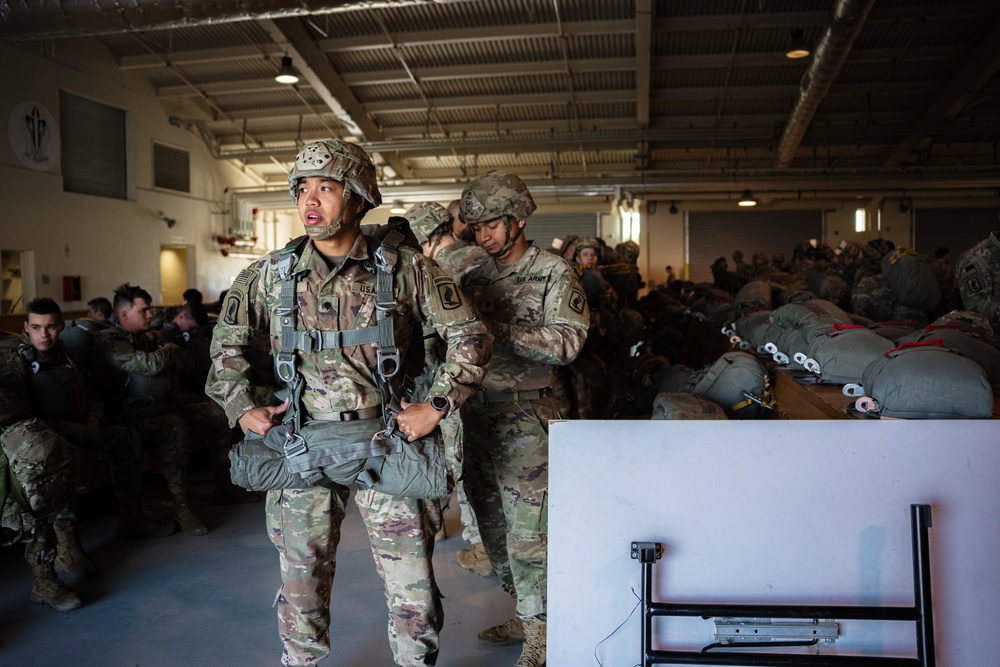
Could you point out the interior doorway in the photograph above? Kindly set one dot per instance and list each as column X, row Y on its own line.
column 12, row 274
column 173, row 274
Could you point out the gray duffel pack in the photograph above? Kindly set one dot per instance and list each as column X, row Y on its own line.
column 924, row 381
column 345, row 453
column 738, row 382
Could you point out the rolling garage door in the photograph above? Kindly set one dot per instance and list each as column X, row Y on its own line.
column 543, row 227
column 714, row 234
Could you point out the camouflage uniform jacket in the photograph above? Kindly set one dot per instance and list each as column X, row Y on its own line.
column 343, row 379
column 117, row 353
column 539, row 313
column 978, row 274
column 460, row 257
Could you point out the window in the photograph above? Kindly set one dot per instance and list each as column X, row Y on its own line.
column 860, row 220
column 93, row 147
column 171, row 168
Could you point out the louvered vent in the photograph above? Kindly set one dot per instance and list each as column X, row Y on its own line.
column 171, row 168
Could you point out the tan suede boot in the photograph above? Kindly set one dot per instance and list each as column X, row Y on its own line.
column 475, row 560
column 186, row 518
column 134, row 524
column 70, row 556
column 46, row 588
column 508, row 633
column 533, row 651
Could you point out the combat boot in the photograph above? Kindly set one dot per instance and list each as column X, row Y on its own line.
column 70, row 556
column 505, row 634
column 475, row 560
column 187, row 519
column 133, row 523
column 533, row 651
column 46, row 588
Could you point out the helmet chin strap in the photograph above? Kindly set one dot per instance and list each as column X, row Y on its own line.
column 323, row 233
column 510, row 239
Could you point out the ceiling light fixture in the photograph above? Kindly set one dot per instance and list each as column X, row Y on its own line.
column 286, row 74
column 747, row 199
column 397, row 208
column 797, row 47
column 673, row 208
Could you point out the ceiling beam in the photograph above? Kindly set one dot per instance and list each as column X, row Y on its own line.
column 981, row 66
column 316, row 67
column 643, row 60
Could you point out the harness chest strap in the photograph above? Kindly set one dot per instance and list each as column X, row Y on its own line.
column 384, row 259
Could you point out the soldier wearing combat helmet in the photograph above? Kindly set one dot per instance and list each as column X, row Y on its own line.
column 318, row 299
column 533, row 303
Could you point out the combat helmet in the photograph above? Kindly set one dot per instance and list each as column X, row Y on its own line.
column 586, row 242
column 629, row 251
column 426, row 217
column 340, row 160
column 496, row 194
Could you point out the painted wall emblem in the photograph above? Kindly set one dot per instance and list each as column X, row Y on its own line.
column 34, row 136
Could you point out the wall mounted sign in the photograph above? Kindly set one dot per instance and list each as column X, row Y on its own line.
column 34, row 136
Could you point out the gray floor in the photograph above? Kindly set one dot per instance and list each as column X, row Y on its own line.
column 185, row 600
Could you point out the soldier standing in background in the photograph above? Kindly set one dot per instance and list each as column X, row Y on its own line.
column 534, row 305
column 433, row 225
column 978, row 275
column 334, row 287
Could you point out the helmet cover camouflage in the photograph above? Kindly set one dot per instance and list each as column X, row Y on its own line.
column 586, row 242
column 493, row 195
column 426, row 217
column 342, row 161
column 629, row 250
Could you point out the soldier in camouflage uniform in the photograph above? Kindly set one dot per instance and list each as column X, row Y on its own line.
column 57, row 392
column 44, row 468
column 433, row 225
column 133, row 373
column 333, row 184
column 535, row 306
column 978, row 275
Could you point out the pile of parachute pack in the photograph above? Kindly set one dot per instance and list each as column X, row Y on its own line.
column 913, row 368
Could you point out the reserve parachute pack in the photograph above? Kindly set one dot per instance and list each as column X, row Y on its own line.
column 738, row 382
column 369, row 450
column 923, row 380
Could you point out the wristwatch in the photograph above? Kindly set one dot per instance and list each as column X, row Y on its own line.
column 440, row 403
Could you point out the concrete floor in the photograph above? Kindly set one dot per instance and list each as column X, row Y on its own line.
column 183, row 600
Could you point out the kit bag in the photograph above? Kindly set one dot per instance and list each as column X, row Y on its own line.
column 969, row 346
column 893, row 331
column 755, row 294
column 842, row 354
column 924, row 381
column 679, row 406
column 912, row 279
column 345, row 453
column 738, row 382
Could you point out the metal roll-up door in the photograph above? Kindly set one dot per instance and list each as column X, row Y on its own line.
column 714, row 234
column 957, row 229
column 543, row 227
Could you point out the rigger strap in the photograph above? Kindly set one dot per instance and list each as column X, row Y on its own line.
column 383, row 257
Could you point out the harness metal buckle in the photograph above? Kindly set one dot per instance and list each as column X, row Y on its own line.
column 284, row 366
column 383, row 360
column 315, row 339
column 295, row 445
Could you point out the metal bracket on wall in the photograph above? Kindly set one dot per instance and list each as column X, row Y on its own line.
column 734, row 616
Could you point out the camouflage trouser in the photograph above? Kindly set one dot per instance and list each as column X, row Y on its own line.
column 115, row 447
column 304, row 525
column 451, row 430
column 46, row 467
column 507, row 478
column 209, row 420
column 170, row 436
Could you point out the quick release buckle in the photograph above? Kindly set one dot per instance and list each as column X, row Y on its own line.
column 388, row 363
column 315, row 341
column 284, row 366
column 295, row 444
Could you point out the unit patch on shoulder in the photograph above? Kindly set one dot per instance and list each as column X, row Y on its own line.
column 970, row 276
column 577, row 301
column 451, row 298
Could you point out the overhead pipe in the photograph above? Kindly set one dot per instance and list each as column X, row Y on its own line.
column 50, row 19
column 831, row 54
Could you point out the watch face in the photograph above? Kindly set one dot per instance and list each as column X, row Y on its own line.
column 439, row 403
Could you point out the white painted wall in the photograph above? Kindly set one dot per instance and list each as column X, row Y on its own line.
column 783, row 512
column 106, row 241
